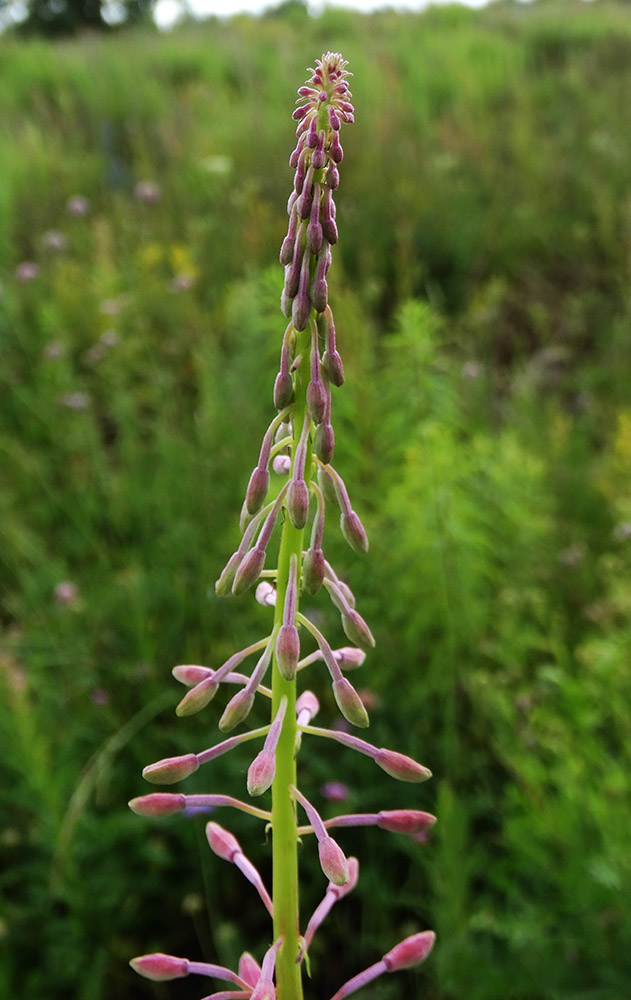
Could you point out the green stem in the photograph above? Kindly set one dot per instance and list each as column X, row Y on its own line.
column 284, row 823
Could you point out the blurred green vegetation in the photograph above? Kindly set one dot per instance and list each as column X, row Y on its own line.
column 481, row 290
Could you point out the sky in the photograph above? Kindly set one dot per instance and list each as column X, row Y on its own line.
column 167, row 12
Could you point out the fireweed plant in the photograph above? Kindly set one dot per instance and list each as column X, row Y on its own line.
column 297, row 447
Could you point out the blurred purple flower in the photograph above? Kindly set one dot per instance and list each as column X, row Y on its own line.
column 99, row 697
column 77, row 205
column 335, row 791
column 147, row 192
column 55, row 241
column 75, row 400
column 54, row 349
column 65, row 592
column 28, row 270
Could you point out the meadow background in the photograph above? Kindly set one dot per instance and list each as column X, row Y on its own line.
column 482, row 293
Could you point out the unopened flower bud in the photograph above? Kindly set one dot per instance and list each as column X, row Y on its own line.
column 198, row 697
column 398, row 765
column 349, row 703
column 332, row 178
column 288, row 651
column 324, row 444
column 249, row 570
column 307, row 707
column 319, row 294
column 332, row 364
column 353, row 531
column 316, row 400
column 261, row 772
column 160, row 967
column 410, row 952
column 257, row 489
column 333, row 861
column 190, row 674
column 349, row 658
column 298, row 503
column 357, row 630
column 327, row 484
column 222, row 843
column 171, row 769
column 283, row 390
column 223, row 586
column 313, row 570
column 408, row 821
column 301, row 310
column 158, row 804
column 237, row 709
column 334, row 121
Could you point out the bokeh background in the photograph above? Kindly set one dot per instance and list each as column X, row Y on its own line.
column 482, row 293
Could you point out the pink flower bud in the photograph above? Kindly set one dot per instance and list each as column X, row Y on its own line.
column 249, row 570
column 324, row 443
column 159, row 967
column 357, row 630
column 237, row 709
column 281, row 465
column 265, row 594
column 333, row 861
column 223, row 586
column 257, row 489
column 158, row 804
column 327, row 483
column 408, row 821
column 349, row 703
column 349, row 657
column 410, row 952
column 190, row 674
column 353, row 531
column 171, row 769
column 319, row 293
column 298, row 503
column 283, row 390
column 198, row 697
column 288, row 651
column 301, row 310
column 222, row 843
column 307, row 706
column 249, row 969
column 397, row 765
column 261, row 772
column 313, row 570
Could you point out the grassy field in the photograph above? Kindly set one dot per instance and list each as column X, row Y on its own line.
column 482, row 290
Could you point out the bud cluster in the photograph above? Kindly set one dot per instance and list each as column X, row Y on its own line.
column 293, row 468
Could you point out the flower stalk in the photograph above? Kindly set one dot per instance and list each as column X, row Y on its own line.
column 299, row 445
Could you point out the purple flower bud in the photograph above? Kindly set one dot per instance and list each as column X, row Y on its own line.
column 399, row 766
column 334, row 121
column 332, row 364
column 332, row 179
column 249, row 570
column 261, row 772
column 357, row 630
column 285, row 303
column 292, row 277
column 333, row 861
column 329, row 227
column 283, row 390
column 410, row 952
column 158, row 804
column 300, row 112
column 159, row 967
column 349, row 658
column 237, row 709
column 288, row 651
column 324, row 445
column 335, row 150
column 301, row 311
column 198, row 697
column 408, row 821
column 298, row 503
column 191, row 674
column 307, row 707
column 223, row 586
column 171, row 769
column 257, row 489
column 222, row 842
column 353, row 531
column 316, row 400
column 349, row 703
column 313, row 570
column 319, row 293
column 287, row 250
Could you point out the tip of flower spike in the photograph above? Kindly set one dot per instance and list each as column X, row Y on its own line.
column 398, row 765
column 333, row 861
column 410, row 952
column 158, row 804
column 159, row 967
column 171, row 769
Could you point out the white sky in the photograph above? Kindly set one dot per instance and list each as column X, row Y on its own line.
column 167, row 12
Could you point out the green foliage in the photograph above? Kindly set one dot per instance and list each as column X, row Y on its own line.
column 481, row 290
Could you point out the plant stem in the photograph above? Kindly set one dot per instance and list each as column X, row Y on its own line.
column 284, row 823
